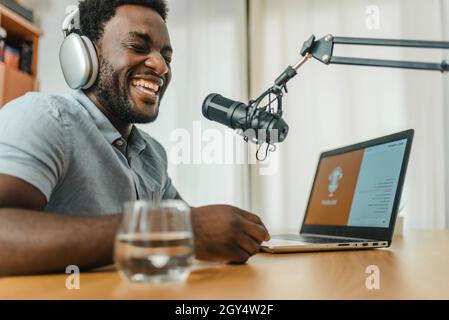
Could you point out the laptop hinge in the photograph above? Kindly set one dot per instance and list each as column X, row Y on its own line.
column 335, row 237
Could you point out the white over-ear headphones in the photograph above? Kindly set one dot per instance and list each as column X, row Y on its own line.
column 78, row 58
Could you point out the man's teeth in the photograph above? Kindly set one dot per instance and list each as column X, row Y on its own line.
column 146, row 84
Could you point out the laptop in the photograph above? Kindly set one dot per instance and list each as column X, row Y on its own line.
column 354, row 199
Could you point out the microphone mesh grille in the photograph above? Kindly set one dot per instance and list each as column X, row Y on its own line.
column 222, row 101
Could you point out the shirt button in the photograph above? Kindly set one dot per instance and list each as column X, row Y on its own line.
column 119, row 143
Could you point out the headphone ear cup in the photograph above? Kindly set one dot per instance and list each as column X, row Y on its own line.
column 93, row 60
column 79, row 61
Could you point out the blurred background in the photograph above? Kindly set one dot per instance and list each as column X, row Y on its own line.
column 238, row 47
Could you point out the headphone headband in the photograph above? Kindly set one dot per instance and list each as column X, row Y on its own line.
column 69, row 24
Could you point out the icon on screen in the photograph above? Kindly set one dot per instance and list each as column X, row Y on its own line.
column 334, row 179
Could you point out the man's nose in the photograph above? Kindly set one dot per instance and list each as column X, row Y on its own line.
column 157, row 63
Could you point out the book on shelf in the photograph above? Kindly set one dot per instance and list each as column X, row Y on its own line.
column 17, row 53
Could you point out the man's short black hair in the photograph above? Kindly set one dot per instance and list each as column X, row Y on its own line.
column 94, row 14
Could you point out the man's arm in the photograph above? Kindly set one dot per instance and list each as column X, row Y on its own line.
column 33, row 241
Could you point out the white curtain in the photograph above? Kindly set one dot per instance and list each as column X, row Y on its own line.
column 328, row 106
column 209, row 41
column 332, row 106
column 445, row 26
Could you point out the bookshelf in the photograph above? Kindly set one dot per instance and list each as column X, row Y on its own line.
column 14, row 82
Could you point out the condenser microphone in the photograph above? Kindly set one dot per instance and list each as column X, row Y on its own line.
column 256, row 125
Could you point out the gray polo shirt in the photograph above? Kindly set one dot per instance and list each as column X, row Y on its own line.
column 66, row 147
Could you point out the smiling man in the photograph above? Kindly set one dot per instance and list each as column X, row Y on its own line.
column 69, row 162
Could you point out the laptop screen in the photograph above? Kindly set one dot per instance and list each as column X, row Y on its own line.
column 357, row 186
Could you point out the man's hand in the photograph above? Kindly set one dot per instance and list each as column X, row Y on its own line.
column 227, row 234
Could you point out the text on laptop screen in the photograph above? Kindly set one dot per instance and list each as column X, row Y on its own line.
column 358, row 188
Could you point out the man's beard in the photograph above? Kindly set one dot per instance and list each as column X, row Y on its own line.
column 114, row 97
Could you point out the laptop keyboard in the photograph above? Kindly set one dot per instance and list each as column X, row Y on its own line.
column 314, row 239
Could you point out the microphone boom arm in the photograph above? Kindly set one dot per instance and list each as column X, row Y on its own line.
column 323, row 48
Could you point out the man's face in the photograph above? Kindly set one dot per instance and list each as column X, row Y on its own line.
column 134, row 56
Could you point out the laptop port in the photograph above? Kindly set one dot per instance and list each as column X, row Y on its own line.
column 343, row 244
column 365, row 244
column 375, row 244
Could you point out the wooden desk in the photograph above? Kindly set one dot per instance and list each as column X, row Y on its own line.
column 416, row 267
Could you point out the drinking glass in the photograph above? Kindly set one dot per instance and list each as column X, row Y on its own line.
column 154, row 243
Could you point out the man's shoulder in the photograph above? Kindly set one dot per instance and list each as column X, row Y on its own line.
column 37, row 106
column 37, row 102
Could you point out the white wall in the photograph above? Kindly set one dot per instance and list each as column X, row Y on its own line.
column 49, row 16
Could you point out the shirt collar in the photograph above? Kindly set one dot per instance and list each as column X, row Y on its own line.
column 137, row 140
column 101, row 121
